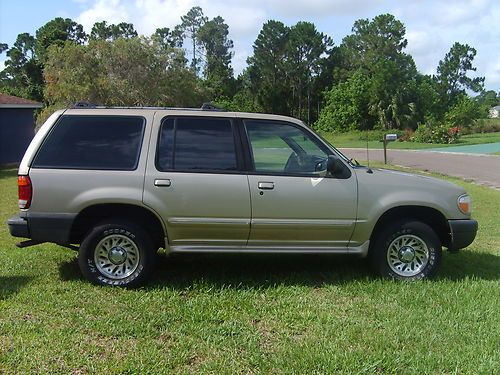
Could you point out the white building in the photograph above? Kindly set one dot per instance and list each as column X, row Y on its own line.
column 495, row 112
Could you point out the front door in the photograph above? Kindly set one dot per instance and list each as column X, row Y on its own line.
column 194, row 182
column 294, row 205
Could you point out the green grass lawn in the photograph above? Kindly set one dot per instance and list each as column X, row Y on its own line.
column 358, row 140
column 251, row 314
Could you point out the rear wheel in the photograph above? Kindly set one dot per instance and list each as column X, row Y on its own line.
column 117, row 254
column 406, row 250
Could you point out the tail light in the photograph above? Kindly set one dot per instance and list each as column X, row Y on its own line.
column 25, row 191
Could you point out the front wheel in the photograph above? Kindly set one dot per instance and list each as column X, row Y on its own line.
column 117, row 254
column 406, row 250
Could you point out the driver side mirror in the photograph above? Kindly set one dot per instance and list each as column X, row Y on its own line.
column 334, row 165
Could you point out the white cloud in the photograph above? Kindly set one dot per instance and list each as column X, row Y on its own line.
column 112, row 11
column 433, row 26
column 319, row 8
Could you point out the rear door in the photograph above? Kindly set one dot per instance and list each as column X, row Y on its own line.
column 194, row 180
column 293, row 205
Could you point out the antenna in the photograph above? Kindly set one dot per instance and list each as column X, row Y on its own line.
column 367, row 153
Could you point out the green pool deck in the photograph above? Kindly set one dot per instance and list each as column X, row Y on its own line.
column 485, row 148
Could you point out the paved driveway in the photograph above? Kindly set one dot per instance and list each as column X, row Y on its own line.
column 482, row 169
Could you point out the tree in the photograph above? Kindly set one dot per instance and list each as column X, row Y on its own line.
column 3, row 47
column 22, row 75
column 452, row 74
column 427, row 99
column 166, row 38
column 213, row 36
column 57, row 31
column 380, row 39
column 267, row 72
column 305, row 50
column 189, row 27
column 101, row 30
column 463, row 112
column 123, row 72
column 486, row 100
column 347, row 105
column 376, row 48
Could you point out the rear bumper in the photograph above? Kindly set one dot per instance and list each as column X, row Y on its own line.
column 462, row 233
column 45, row 227
column 18, row 227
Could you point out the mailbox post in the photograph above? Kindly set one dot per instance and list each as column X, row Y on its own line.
column 388, row 138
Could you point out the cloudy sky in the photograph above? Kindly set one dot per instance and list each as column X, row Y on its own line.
column 431, row 26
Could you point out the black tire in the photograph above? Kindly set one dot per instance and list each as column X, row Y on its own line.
column 136, row 257
column 395, row 267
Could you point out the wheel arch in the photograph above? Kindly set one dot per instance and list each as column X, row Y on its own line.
column 140, row 215
column 428, row 215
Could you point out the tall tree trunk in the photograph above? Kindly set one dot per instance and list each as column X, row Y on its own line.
column 309, row 105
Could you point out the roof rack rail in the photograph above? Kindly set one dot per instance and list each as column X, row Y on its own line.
column 83, row 104
column 211, row 107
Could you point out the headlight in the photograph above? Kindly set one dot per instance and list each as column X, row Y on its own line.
column 465, row 204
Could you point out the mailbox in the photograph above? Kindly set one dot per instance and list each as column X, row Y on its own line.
column 391, row 137
column 388, row 138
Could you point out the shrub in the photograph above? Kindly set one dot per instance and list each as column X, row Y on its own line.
column 437, row 133
column 463, row 113
column 483, row 126
column 346, row 106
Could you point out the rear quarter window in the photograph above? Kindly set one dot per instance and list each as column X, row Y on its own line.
column 92, row 142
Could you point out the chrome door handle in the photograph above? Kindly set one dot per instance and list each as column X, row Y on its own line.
column 266, row 185
column 166, row 182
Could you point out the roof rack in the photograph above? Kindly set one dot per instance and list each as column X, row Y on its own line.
column 204, row 107
column 211, row 107
column 83, row 105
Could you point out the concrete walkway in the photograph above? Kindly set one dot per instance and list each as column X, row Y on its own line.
column 482, row 169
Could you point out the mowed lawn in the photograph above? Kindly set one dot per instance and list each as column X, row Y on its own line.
column 251, row 314
column 358, row 140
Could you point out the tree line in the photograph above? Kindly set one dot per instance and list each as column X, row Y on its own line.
column 368, row 81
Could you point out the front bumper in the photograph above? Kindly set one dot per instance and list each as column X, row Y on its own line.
column 18, row 227
column 462, row 233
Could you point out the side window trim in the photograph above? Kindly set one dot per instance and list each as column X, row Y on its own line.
column 236, row 143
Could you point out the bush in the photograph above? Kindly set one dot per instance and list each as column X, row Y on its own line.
column 437, row 133
column 346, row 106
column 490, row 125
column 463, row 113
column 377, row 135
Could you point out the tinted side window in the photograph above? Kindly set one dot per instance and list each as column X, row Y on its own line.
column 196, row 144
column 92, row 142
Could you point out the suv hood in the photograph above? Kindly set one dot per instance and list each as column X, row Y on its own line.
column 393, row 188
column 398, row 177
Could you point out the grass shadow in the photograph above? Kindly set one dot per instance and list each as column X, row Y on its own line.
column 242, row 271
column 182, row 271
column 69, row 270
column 470, row 264
column 8, row 173
column 10, row 285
